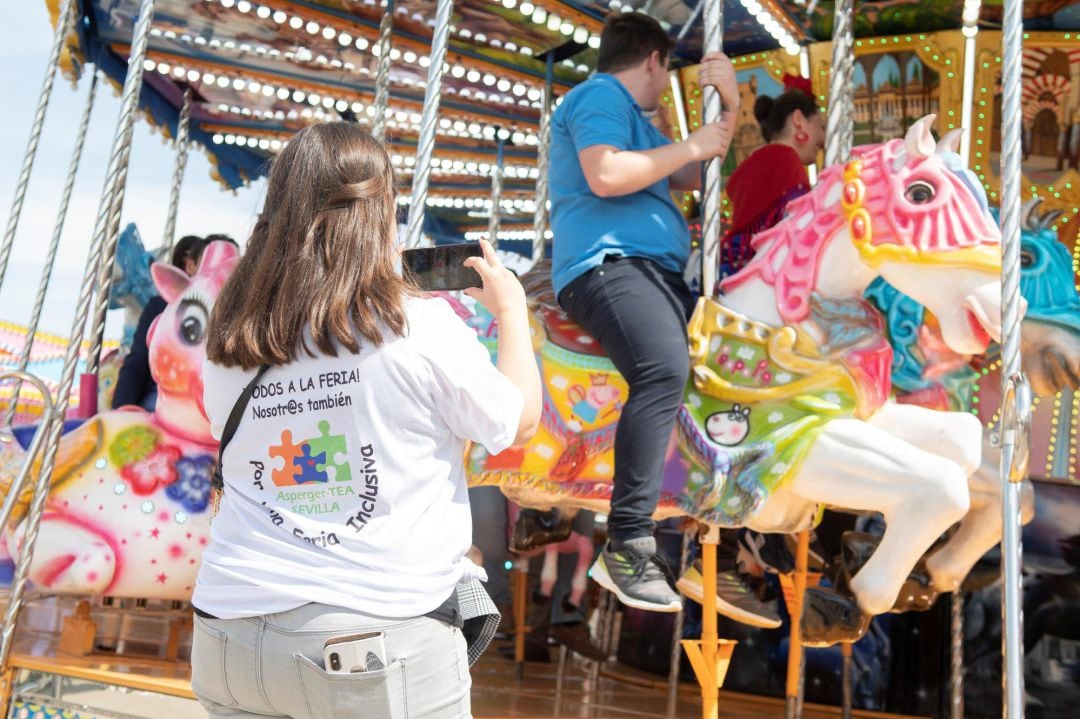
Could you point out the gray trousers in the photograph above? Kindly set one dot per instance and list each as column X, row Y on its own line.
column 272, row 666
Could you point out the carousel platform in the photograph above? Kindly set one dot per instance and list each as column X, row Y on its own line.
column 130, row 687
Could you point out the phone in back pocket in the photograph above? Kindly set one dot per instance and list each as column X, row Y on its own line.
column 443, row 267
column 355, row 653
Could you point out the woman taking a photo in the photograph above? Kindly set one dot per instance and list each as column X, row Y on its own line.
column 345, row 510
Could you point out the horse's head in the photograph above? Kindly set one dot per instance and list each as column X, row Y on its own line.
column 177, row 339
column 920, row 220
column 1051, row 329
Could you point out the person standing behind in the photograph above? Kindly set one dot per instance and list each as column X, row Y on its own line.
column 620, row 249
column 775, row 174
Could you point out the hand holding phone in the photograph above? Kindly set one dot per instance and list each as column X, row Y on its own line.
column 355, row 653
column 500, row 291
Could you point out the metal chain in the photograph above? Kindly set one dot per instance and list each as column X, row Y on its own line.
column 183, row 126
column 426, row 143
column 54, row 244
column 1012, row 607
column 63, row 24
column 710, row 206
column 840, row 125
column 382, row 76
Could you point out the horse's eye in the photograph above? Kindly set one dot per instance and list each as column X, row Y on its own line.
column 1027, row 258
column 919, row 193
column 193, row 323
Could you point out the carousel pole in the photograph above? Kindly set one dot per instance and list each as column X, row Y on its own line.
column 969, row 30
column 710, row 656
column 107, row 227
column 676, row 638
column 33, row 521
column 840, row 126
column 54, row 244
column 496, row 194
column 115, row 174
column 382, row 74
column 710, row 212
column 796, row 657
column 845, row 681
column 183, row 127
column 543, row 153
column 426, row 143
column 63, row 24
column 1016, row 395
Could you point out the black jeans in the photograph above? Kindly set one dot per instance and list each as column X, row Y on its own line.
column 638, row 312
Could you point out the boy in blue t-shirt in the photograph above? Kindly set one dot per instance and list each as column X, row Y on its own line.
column 620, row 249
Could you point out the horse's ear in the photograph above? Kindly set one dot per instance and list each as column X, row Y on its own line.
column 951, row 141
column 218, row 253
column 170, row 281
column 919, row 143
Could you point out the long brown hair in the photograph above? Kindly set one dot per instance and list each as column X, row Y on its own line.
column 321, row 258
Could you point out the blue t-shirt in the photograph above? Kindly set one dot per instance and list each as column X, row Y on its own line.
column 646, row 223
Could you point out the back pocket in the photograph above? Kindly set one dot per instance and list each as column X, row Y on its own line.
column 348, row 696
column 208, row 679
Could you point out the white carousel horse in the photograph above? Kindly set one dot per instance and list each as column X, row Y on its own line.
column 788, row 407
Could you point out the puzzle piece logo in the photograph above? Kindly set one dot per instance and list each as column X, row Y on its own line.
column 308, row 466
column 331, row 445
column 311, row 460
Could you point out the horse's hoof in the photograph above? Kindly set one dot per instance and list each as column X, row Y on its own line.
column 830, row 617
column 534, row 528
column 981, row 576
column 856, row 550
column 917, row 593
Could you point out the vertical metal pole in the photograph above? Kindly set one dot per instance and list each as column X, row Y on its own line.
column 1012, row 380
column 840, row 126
column 108, row 214
column 956, row 656
column 496, row 195
column 970, row 30
column 63, row 23
column 845, row 681
column 676, row 638
column 426, row 143
column 382, row 75
column 794, row 686
column 183, row 126
column 543, row 156
column 54, row 244
column 710, row 213
column 108, row 225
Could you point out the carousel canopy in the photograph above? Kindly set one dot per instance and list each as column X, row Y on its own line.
column 260, row 70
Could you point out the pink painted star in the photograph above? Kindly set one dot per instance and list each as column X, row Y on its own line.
column 161, row 578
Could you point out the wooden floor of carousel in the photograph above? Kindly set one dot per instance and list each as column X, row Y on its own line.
column 125, row 686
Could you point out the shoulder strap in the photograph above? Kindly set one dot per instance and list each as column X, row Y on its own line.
column 230, row 425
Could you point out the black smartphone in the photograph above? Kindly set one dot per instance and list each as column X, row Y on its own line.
column 443, row 267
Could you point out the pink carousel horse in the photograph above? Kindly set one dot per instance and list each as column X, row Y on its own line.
column 788, row 408
column 128, row 512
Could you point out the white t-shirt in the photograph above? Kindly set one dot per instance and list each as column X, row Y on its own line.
column 345, row 483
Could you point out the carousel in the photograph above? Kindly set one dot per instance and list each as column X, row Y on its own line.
column 889, row 389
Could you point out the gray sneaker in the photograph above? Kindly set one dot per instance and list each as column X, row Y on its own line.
column 733, row 598
column 637, row 576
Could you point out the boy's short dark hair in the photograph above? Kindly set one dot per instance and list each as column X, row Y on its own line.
column 218, row 237
column 628, row 39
